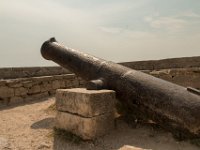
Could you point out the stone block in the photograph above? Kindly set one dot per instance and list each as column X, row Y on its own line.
column 37, row 96
column 6, row 92
column 55, row 84
column 52, row 92
column 27, row 84
column 71, row 83
column 69, row 76
column 86, row 128
column 82, row 82
column 2, row 82
column 34, row 89
column 4, row 102
column 14, row 83
column 87, row 103
column 58, row 77
column 46, row 86
column 20, row 91
column 15, row 100
column 62, row 84
column 42, row 78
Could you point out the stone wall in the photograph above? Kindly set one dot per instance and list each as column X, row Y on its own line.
column 184, row 62
column 21, row 90
column 27, row 84
column 26, row 72
column 187, row 77
column 27, row 89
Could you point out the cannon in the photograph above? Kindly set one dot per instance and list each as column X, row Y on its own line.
column 171, row 106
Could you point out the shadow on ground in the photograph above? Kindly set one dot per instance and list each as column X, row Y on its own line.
column 25, row 103
column 47, row 123
column 142, row 136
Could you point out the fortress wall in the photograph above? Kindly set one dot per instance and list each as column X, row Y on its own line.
column 184, row 62
column 21, row 90
column 187, row 77
column 26, row 72
column 19, row 85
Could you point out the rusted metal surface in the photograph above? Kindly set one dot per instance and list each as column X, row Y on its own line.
column 168, row 104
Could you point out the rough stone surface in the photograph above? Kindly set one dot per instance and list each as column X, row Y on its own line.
column 45, row 86
column 6, row 92
column 56, row 84
column 2, row 82
column 27, row 72
column 37, row 96
column 15, row 84
column 3, row 103
column 184, row 62
column 27, row 84
column 58, row 77
column 26, row 89
column 16, row 100
column 183, row 77
column 62, row 84
column 20, row 91
column 71, row 83
column 86, row 128
column 69, row 76
column 42, row 78
column 34, row 89
column 87, row 103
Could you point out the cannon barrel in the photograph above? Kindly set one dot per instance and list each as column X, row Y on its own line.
column 170, row 105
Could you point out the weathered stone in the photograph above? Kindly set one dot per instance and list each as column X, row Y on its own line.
column 62, row 84
column 71, row 83
column 4, row 102
column 2, row 82
column 42, row 78
column 6, row 92
column 20, row 91
column 58, row 77
column 86, row 128
column 52, row 92
column 27, row 84
column 69, row 76
column 82, row 82
column 87, row 103
column 45, row 86
column 15, row 100
column 55, row 84
column 14, row 83
column 34, row 89
column 37, row 96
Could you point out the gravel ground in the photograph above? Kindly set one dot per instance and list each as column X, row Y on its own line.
column 30, row 127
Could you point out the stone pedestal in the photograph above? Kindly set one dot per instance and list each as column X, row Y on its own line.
column 85, row 113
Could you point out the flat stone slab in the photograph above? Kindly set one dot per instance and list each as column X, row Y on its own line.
column 86, row 128
column 86, row 103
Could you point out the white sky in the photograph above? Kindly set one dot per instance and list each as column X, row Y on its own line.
column 115, row 30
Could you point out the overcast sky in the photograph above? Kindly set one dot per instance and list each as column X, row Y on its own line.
column 116, row 30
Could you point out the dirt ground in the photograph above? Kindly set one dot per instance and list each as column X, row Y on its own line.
column 30, row 127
